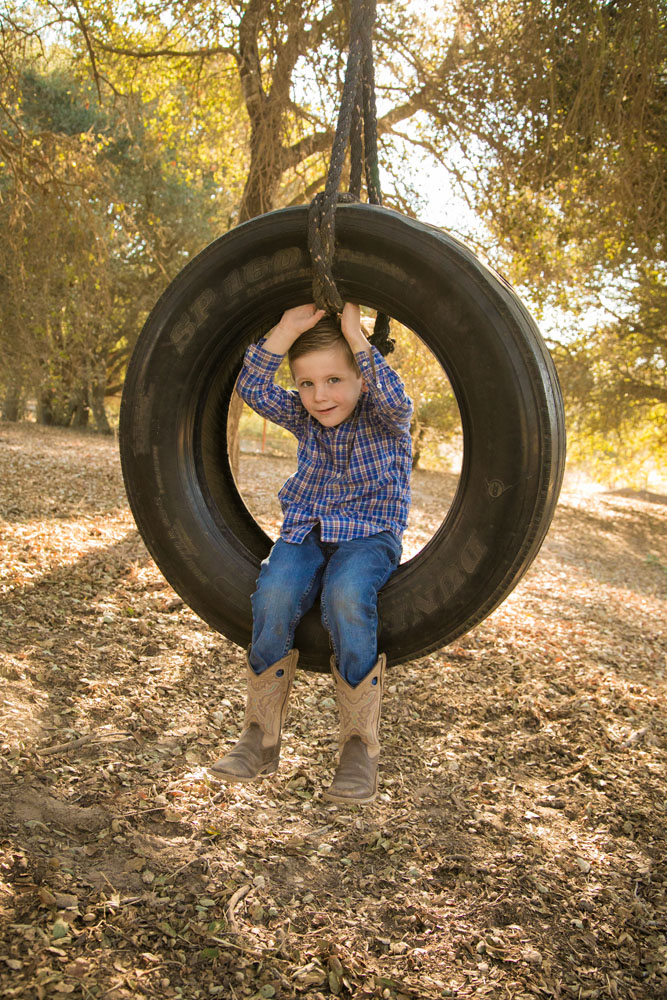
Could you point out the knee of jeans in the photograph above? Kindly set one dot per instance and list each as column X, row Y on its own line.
column 348, row 602
column 271, row 595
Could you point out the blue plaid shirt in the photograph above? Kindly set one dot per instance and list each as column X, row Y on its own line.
column 354, row 479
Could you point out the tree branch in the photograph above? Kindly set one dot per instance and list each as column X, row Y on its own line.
column 306, row 147
column 287, row 54
column 169, row 53
column 250, row 69
column 91, row 52
column 643, row 391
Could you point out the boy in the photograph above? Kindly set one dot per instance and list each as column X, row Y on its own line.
column 345, row 510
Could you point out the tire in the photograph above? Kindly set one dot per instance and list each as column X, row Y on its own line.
column 182, row 374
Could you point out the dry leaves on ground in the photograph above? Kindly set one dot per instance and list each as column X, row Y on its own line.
column 517, row 847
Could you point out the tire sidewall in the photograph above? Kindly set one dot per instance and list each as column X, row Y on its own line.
column 182, row 375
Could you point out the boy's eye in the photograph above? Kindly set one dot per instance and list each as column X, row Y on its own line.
column 305, row 385
column 334, row 378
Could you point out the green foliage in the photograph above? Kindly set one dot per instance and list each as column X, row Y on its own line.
column 97, row 221
column 131, row 134
column 436, row 418
column 566, row 131
column 54, row 102
column 572, row 103
column 633, row 454
column 425, row 381
column 615, row 377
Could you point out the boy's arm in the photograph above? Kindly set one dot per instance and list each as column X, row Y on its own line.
column 255, row 384
column 393, row 405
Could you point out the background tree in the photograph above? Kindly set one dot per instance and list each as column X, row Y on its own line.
column 547, row 117
column 290, row 60
column 569, row 100
column 106, row 208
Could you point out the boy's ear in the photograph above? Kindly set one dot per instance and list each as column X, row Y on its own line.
column 364, row 387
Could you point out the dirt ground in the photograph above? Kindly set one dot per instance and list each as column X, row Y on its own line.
column 517, row 848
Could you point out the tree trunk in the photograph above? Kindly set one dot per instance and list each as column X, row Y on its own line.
column 233, row 437
column 12, row 403
column 417, row 431
column 45, row 402
column 78, row 409
column 102, row 425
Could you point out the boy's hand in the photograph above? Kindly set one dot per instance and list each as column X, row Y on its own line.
column 351, row 326
column 293, row 323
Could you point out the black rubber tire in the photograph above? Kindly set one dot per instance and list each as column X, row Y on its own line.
column 182, row 374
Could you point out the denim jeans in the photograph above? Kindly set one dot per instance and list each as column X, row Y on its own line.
column 348, row 575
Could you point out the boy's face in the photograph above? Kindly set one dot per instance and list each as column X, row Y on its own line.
column 328, row 385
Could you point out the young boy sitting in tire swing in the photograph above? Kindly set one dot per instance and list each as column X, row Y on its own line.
column 345, row 510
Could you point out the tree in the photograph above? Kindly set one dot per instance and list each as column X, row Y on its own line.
column 568, row 99
column 436, row 413
column 289, row 57
column 548, row 116
column 100, row 214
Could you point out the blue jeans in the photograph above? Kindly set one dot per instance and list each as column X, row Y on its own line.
column 349, row 576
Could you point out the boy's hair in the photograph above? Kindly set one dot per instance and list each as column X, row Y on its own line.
column 327, row 333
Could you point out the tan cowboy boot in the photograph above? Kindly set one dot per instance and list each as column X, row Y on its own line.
column 258, row 750
column 359, row 708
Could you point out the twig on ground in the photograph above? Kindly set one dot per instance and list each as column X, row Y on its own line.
column 142, row 812
column 233, row 903
column 82, row 741
column 237, row 947
column 187, row 864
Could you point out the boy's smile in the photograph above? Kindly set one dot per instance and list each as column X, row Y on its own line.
column 328, row 385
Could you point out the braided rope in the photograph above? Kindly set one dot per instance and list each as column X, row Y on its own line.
column 357, row 114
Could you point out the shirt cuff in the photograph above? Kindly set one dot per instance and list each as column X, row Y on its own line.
column 261, row 361
column 369, row 363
